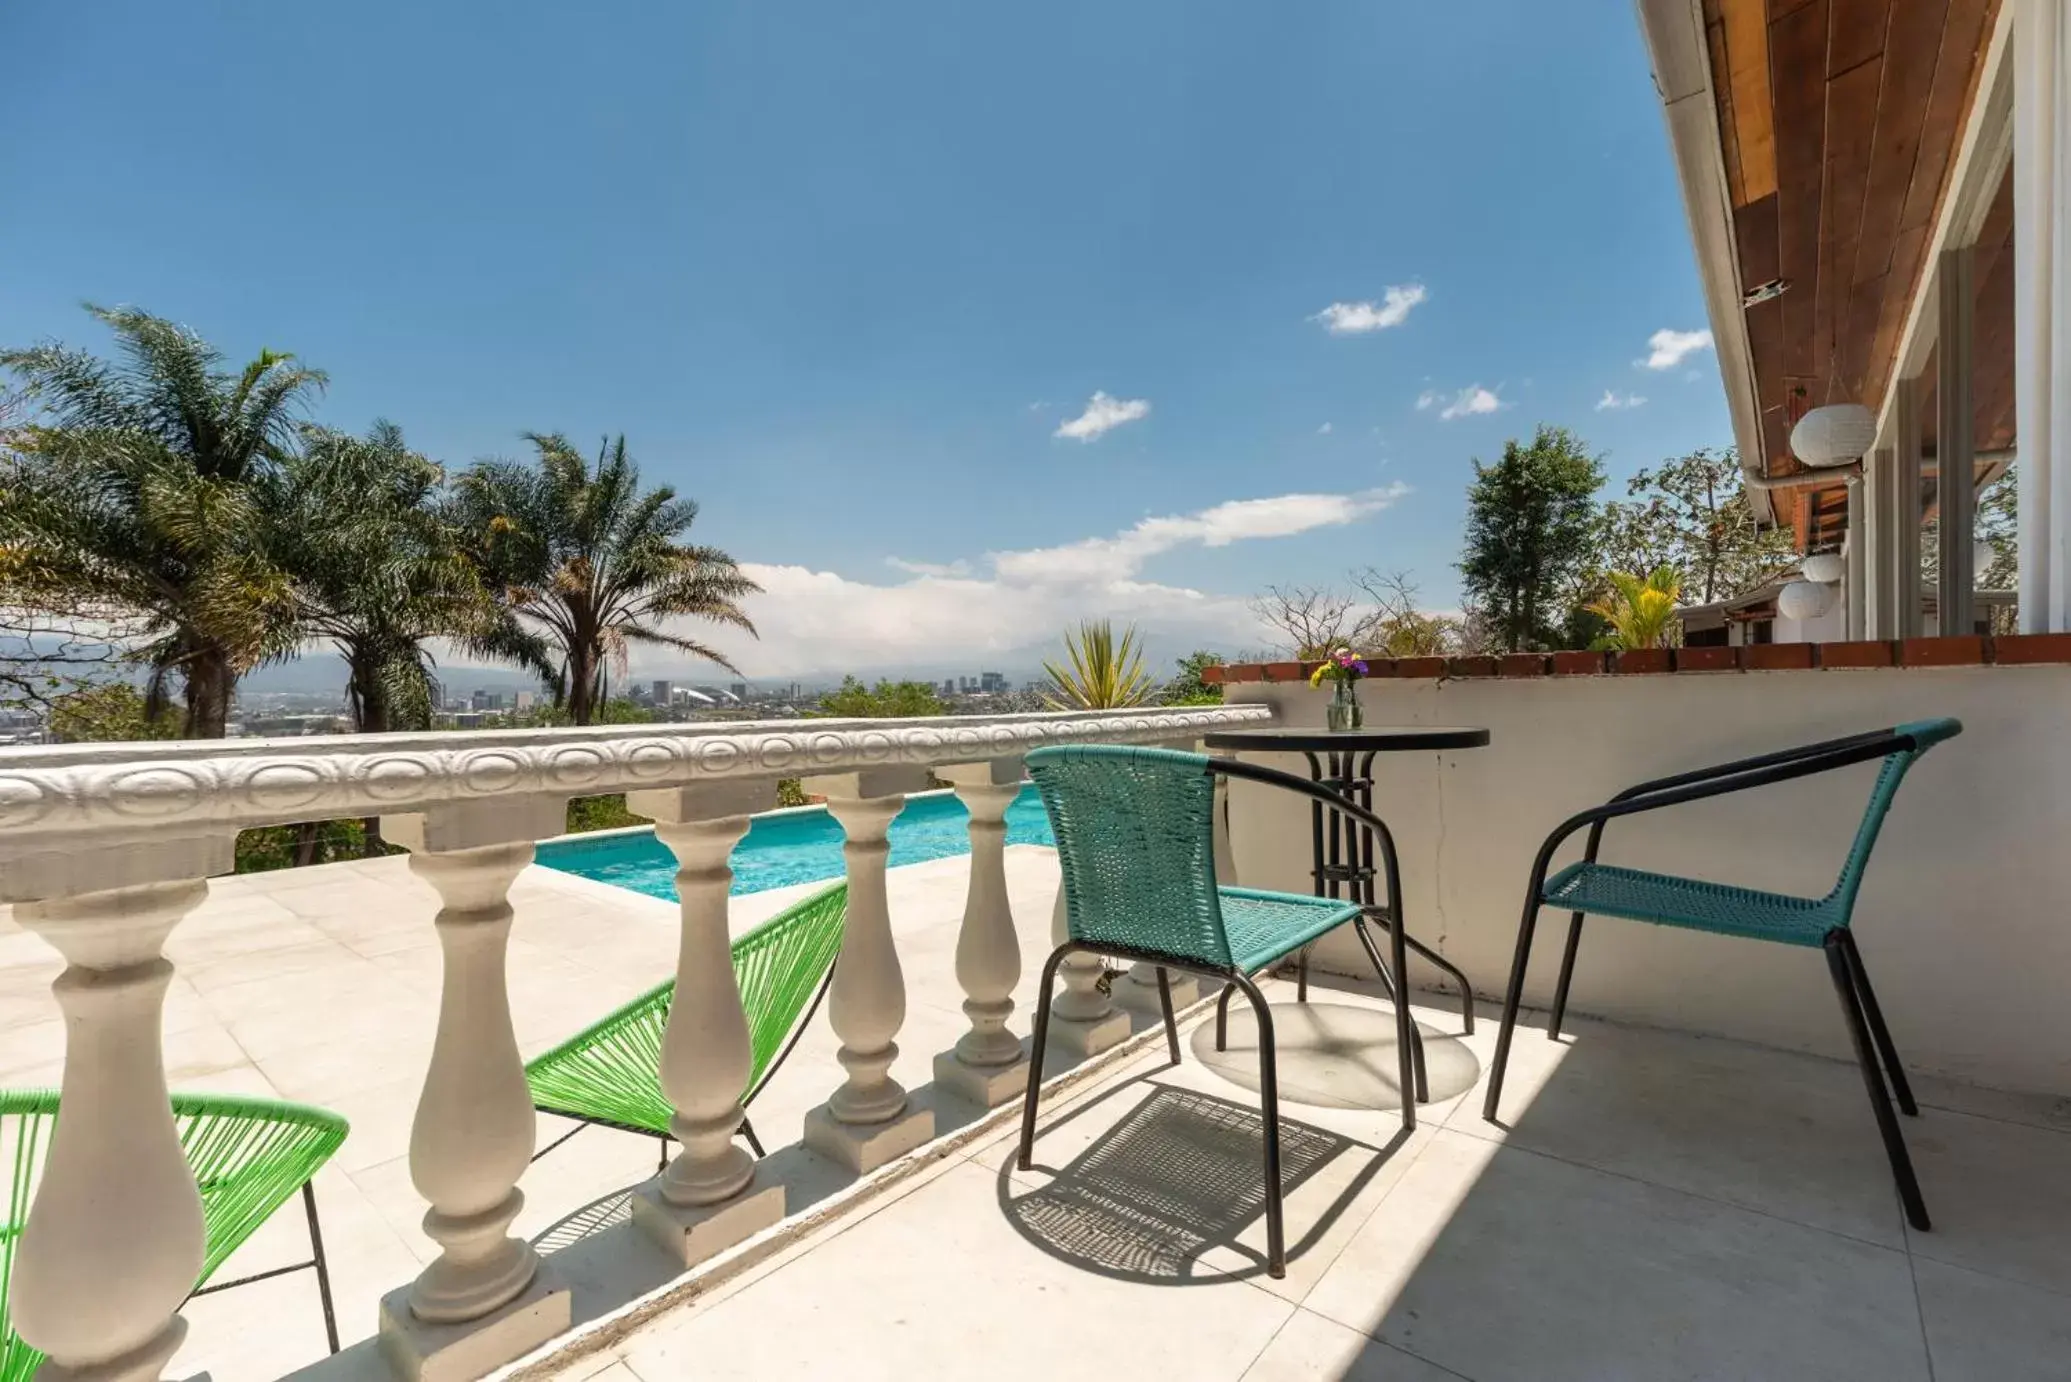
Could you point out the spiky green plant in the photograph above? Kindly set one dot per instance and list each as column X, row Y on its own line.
column 1105, row 674
column 1640, row 611
column 591, row 563
column 147, row 486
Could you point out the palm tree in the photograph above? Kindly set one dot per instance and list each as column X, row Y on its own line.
column 1104, row 674
column 147, row 489
column 591, row 563
column 1640, row 612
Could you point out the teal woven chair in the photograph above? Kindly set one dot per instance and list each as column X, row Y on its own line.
column 249, row 1157
column 609, row 1074
column 1135, row 838
column 1589, row 887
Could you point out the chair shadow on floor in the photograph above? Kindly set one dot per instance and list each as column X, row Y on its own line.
column 1165, row 1195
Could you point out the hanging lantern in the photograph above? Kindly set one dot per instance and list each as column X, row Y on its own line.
column 1826, row 568
column 1804, row 600
column 1834, row 435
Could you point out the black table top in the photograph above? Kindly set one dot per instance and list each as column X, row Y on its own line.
column 1369, row 739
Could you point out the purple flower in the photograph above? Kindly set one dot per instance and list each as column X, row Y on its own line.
column 1359, row 665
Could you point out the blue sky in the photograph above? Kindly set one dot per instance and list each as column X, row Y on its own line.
column 842, row 272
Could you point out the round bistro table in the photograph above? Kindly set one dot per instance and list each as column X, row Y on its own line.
column 1342, row 847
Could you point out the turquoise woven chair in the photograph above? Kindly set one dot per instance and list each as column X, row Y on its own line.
column 609, row 1073
column 1589, row 887
column 249, row 1157
column 1135, row 838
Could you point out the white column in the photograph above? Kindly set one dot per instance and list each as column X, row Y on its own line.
column 114, row 1241
column 2042, row 308
column 486, row 1299
column 988, row 1065
column 1908, row 618
column 1955, row 465
column 1853, row 591
column 707, row 1200
column 1083, row 1020
column 869, row 1120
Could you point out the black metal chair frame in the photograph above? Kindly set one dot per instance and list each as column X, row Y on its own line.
column 1410, row 1067
column 747, row 1129
column 316, row 1260
column 1859, row 1007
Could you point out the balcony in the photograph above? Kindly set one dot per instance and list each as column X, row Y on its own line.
column 1686, row 1184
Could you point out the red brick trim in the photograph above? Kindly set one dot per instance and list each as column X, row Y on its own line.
column 1868, row 653
column 1964, row 650
column 1957, row 650
column 1776, row 657
column 2023, row 649
column 1634, row 661
column 1578, row 664
column 1720, row 659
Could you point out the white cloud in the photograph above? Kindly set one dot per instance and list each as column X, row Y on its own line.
column 1324, row 430
column 1427, row 399
column 1104, row 413
column 1467, row 402
column 1666, row 349
column 1358, row 318
column 1613, row 400
column 817, row 621
column 940, row 570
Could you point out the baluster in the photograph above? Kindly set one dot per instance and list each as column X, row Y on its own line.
column 114, row 1241
column 988, row 1065
column 707, row 1200
column 487, row 1299
column 1082, row 1019
column 869, row 1120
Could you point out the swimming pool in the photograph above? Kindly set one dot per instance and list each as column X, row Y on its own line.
column 793, row 846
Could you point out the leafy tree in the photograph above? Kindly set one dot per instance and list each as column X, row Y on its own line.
column 1530, row 520
column 1692, row 513
column 1395, row 627
column 1105, row 674
column 887, row 700
column 112, row 712
column 591, row 563
column 145, row 487
column 1640, row 612
column 1188, row 688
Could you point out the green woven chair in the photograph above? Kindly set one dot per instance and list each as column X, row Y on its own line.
column 1135, row 838
column 609, row 1074
column 249, row 1157
column 1589, row 887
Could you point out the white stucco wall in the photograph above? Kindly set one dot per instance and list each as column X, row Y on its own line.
column 1965, row 914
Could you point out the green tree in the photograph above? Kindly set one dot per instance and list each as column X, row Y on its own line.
column 1188, row 688
column 113, row 712
column 147, row 486
column 1530, row 520
column 1106, row 673
column 1692, row 513
column 887, row 700
column 591, row 563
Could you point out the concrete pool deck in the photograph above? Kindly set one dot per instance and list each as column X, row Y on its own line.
column 321, row 985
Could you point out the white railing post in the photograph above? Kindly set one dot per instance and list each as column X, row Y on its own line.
column 1083, row 1020
column 486, row 1299
column 707, row 1200
column 869, row 1120
column 988, row 1065
column 114, row 1241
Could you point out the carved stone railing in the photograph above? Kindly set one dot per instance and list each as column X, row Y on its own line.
column 104, row 849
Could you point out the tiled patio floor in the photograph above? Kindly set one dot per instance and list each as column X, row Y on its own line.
column 1662, row 1206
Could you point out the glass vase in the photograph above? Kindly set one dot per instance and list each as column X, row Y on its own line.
column 1343, row 712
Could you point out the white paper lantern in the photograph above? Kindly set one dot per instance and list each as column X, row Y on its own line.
column 1825, row 568
column 1804, row 600
column 1834, row 435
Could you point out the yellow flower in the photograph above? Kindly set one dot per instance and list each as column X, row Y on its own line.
column 1316, row 677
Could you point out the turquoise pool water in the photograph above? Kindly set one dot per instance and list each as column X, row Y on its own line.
column 801, row 847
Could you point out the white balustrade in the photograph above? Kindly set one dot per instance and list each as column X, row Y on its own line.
column 988, row 1065
column 103, row 848
column 114, row 1242
column 869, row 1120
column 485, row 1299
column 707, row 1199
